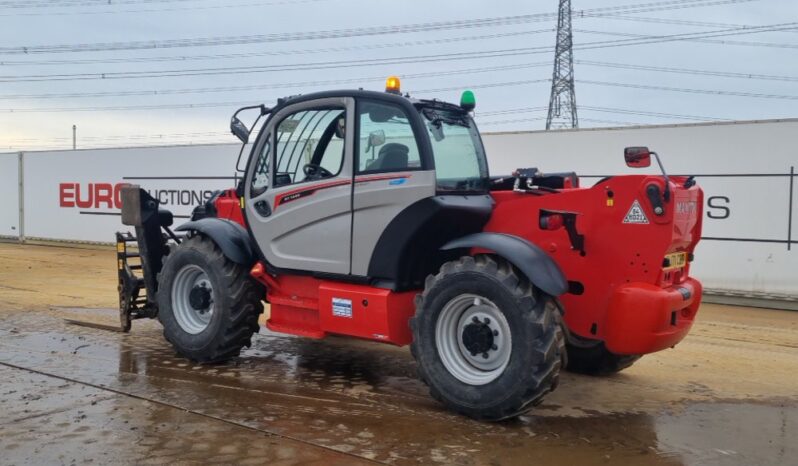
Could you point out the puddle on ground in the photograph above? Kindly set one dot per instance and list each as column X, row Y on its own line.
column 364, row 399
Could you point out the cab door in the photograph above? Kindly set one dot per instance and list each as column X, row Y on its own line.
column 299, row 187
column 391, row 175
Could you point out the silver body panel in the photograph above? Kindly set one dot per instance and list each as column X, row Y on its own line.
column 335, row 228
column 377, row 203
column 313, row 232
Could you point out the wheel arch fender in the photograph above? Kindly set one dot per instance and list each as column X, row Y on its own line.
column 231, row 238
column 538, row 267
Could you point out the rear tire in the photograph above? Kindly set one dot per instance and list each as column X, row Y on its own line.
column 208, row 305
column 487, row 342
column 591, row 357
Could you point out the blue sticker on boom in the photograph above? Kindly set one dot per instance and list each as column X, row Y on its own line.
column 397, row 181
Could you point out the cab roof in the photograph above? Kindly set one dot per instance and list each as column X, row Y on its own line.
column 402, row 100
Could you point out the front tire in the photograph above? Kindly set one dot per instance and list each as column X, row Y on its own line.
column 208, row 305
column 487, row 342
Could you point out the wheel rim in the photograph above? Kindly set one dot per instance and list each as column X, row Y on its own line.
column 192, row 299
column 473, row 339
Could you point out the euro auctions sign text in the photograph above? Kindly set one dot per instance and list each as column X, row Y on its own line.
column 76, row 195
column 108, row 196
column 91, row 195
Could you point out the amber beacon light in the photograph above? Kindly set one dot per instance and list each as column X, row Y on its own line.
column 392, row 85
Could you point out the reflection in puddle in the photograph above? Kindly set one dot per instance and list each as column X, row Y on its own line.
column 731, row 433
column 364, row 399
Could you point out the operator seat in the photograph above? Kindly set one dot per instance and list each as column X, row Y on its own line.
column 392, row 156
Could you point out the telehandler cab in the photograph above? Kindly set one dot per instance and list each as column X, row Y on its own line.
column 373, row 215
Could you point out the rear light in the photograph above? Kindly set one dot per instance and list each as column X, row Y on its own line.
column 552, row 221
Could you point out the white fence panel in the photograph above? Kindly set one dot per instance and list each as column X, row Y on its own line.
column 74, row 195
column 9, row 193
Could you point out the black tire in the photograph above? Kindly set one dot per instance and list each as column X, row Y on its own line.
column 536, row 341
column 236, row 299
column 591, row 357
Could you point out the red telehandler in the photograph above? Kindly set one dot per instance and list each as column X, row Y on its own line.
column 373, row 215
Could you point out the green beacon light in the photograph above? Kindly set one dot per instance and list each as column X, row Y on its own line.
column 468, row 101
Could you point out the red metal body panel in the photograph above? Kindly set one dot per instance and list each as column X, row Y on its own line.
column 644, row 318
column 628, row 298
column 302, row 305
column 229, row 206
column 375, row 313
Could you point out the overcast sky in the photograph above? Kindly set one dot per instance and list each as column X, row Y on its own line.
column 512, row 90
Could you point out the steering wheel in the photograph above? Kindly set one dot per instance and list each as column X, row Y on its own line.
column 312, row 170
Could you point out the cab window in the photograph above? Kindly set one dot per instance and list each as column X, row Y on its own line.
column 309, row 146
column 386, row 140
column 460, row 163
column 260, row 177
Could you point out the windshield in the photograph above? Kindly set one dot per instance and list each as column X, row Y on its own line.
column 460, row 163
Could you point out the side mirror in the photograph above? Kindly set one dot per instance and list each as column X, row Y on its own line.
column 637, row 157
column 240, row 130
column 376, row 138
column 340, row 127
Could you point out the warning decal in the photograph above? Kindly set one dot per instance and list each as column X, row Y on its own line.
column 342, row 307
column 635, row 214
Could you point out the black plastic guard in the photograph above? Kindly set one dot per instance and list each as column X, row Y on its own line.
column 538, row 267
column 231, row 238
column 141, row 211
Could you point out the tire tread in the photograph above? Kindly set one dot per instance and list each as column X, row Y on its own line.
column 244, row 297
column 550, row 347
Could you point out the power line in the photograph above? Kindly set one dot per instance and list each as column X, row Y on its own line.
column 724, row 74
column 650, row 39
column 28, row 4
column 623, row 111
column 517, row 120
column 619, row 111
column 226, row 5
column 276, row 37
column 416, row 91
column 511, row 111
column 340, row 33
column 480, row 86
column 678, row 22
column 691, row 91
column 613, row 122
column 368, row 62
column 182, row 58
column 470, row 55
column 291, row 84
column 73, row 3
column 790, row 27
column 240, row 103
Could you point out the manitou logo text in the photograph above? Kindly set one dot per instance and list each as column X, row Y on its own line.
column 108, row 196
column 686, row 207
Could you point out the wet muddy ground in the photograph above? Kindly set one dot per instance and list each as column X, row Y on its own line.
column 75, row 394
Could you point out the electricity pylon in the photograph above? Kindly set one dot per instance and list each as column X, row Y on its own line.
column 562, row 104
